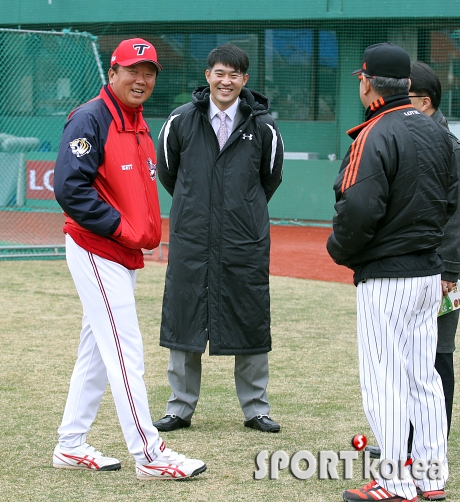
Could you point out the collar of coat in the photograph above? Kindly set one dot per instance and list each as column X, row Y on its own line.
column 251, row 101
column 439, row 118
column 380, row 107
column 126, row 118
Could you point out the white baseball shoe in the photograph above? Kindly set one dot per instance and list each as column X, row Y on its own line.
column 169, row 464
column 83, row 457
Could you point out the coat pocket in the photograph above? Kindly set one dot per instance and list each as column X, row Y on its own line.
column 252, row 221
column 179, row 214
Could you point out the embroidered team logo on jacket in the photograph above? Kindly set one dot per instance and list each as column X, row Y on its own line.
column 152, row 169
column 80, row 146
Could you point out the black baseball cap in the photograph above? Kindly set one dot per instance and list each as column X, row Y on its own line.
column 385, row 60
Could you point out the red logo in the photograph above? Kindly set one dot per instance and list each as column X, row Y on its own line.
column 162, row 447
column 87, row 461
column 359, row 442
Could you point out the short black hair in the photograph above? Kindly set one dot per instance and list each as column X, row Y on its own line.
column 229, row 55
column 425, row 81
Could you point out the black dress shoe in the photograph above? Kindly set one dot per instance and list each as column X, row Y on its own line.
column 171, row 423
column 262, row 423
column 374, row 452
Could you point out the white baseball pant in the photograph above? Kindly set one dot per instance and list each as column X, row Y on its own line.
column 111, row 350
column 397, row 335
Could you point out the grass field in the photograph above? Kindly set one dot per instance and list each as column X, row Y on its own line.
column 314, row 393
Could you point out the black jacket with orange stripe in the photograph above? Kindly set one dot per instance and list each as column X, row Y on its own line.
column 396, row 188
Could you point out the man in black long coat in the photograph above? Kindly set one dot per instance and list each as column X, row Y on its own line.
column 220, row 157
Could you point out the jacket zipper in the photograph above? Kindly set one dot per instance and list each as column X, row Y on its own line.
column 143, row 171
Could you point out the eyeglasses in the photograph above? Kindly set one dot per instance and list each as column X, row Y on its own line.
column 417, row 96
column 361, row 75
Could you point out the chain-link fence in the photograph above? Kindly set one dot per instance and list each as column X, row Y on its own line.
column 44, row 75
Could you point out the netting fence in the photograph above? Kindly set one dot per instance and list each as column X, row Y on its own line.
column 44, row 76
column 303, row 66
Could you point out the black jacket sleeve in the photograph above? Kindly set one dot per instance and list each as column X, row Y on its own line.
column 271, row 169
column 450, row 247
column 168, row 154
column 359, row 207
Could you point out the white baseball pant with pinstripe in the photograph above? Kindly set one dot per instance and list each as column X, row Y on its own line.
column 397, row 335
column 111, row 350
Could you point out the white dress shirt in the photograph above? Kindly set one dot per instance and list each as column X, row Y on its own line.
column 229, row 120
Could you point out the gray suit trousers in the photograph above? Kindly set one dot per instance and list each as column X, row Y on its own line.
column 184, row 375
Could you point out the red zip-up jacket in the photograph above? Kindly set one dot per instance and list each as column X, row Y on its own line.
column 105, row 180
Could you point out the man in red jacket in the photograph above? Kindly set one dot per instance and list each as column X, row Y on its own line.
column 105, row 180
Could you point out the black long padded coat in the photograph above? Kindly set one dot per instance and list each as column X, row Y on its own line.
column 217, row 279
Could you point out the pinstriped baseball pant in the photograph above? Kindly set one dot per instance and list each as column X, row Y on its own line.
column 397, row 335
column 111, row 350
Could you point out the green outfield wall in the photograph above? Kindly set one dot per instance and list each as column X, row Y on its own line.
column 110, row 11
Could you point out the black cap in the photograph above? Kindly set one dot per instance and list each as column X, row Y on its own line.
column 385, row 60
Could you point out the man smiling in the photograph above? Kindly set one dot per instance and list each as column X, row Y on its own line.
column 105, row 180
column 220, row 157
column 225, row 85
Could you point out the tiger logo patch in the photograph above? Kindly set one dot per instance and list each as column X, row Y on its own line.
column 152, row 169
column 80, row 146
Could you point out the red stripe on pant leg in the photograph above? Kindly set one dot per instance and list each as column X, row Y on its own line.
column 120, row 358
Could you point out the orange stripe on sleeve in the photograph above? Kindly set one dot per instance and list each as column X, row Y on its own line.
column 357, row 147
column 352, row 166
column 349, row 168
column 351, row 171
